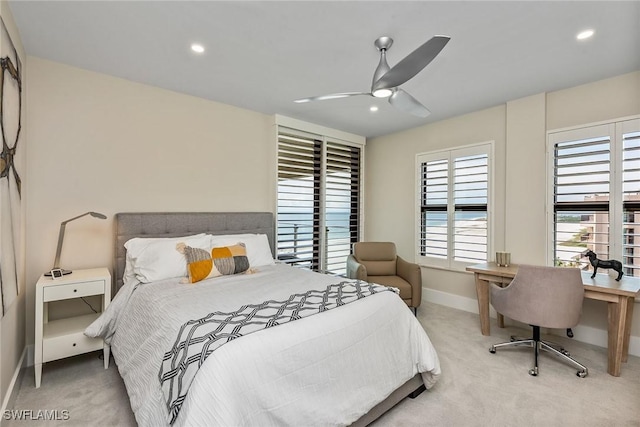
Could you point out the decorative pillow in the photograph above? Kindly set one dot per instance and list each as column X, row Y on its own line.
column 203, row 264
column 258, row 249
column 153, row 259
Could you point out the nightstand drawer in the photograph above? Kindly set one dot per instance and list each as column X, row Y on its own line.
column 73, row 290
column 68, row 345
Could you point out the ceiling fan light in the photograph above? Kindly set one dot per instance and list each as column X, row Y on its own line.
column 382, row 93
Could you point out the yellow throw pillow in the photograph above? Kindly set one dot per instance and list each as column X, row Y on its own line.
column 203, row 264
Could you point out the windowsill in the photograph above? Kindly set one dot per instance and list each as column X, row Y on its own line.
column 439, row 267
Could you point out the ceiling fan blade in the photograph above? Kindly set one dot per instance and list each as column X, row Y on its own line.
column 330, row 96
column 412, row 64
column 402, row 100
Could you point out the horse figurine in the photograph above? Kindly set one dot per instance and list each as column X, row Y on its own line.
column 595, row 262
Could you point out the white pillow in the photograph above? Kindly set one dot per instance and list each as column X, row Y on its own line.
column 155, row 259
column 258, row 249
column 129, row 275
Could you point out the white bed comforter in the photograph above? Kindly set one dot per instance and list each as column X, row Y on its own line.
column 326, row 369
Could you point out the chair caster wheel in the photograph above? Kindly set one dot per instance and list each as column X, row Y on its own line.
column 492, row 350
column 533, row 372
column 582, row 374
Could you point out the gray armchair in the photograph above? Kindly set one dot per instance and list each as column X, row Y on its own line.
column 379, row 263
column 543, row 297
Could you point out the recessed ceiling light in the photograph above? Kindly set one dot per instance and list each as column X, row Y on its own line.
column 373, row 108
column 197, row 48
column 584, row 34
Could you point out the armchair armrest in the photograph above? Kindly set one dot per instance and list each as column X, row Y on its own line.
column 412, row 273
column 355, row 270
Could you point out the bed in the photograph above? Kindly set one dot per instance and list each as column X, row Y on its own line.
column 343, row 366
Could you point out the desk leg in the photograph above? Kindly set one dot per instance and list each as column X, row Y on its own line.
column 500, row 320
column 627, row 329
column 618, row 313
column 482, row 292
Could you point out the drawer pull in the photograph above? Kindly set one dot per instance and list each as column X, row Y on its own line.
column 74, row 344
column 75, row 290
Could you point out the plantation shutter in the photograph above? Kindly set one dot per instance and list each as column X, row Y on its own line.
column 470, row 195
column 342, row 202
column 298, row 218
column 631, row 203
column 434, row 204
column 581, row 198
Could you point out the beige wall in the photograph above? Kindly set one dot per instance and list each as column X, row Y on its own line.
column 519, row 130
column 99, row 143
column 12, row 325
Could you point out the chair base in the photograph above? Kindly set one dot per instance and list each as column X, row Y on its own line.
column 537, row 344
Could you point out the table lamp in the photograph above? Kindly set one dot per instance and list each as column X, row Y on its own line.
column 56, row 271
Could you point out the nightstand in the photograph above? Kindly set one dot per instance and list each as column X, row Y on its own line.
column 57, row 339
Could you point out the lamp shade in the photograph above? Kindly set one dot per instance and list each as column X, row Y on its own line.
column 56, row 270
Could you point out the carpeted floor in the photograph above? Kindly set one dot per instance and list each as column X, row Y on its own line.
column 476, row 387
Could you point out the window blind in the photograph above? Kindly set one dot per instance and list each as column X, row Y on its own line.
column 298, row 216
column 631, row 203
column 581, row 198
column 470, row 193
column 342, row 201
column 434, row 206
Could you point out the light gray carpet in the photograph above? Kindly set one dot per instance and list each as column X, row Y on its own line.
column 476, row 388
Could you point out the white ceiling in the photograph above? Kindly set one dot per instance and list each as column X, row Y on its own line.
column 263, row 55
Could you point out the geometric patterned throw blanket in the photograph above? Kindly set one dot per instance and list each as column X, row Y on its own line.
column 198, row 338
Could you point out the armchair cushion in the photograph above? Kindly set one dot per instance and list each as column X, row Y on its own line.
column 405, row 288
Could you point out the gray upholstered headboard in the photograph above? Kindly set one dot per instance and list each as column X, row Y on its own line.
column 172, row 224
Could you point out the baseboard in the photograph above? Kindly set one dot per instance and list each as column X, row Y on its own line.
column 586, row 334
column 30, row 355
column 454, row 301
column 12, row 391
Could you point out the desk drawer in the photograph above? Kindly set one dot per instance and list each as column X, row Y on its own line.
column 68, row 345
column 74, row 290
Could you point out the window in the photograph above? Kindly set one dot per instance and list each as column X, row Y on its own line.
column 454, row 205
column 318, row 200
column 595, row 185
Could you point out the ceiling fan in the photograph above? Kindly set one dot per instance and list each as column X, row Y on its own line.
column 386, row 80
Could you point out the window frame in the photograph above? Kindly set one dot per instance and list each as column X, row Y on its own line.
column 614, row 130
column 450, row 263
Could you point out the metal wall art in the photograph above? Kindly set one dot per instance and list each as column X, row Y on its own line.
column 10, row 182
